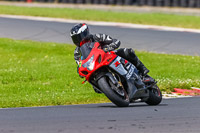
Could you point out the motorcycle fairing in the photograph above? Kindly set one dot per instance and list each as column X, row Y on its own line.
column 99, row 59
column 118, row 67
column 129, row 72
column 86, row 49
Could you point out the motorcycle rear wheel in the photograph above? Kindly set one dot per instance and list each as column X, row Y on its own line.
column 155, row 96
column 111, row 94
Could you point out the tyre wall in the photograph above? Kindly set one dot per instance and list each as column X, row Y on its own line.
column 159, row 3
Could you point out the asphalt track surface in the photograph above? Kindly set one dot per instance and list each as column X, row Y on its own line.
column 180, row 115
column 140, row 39
column 171, row 116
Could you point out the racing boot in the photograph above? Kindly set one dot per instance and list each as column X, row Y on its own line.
column 142, row 69
column 148, row 79
column 138, row 64
column 129, row 54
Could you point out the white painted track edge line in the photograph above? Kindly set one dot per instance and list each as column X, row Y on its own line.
column 101, row 23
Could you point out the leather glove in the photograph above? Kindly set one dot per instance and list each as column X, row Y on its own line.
column 107, row 48
column 78, row 73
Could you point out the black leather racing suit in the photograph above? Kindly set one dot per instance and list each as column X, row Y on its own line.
column 112, row 44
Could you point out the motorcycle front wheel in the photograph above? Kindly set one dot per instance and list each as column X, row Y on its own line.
column 119, row 97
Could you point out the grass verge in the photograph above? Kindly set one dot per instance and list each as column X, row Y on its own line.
column 39, row 73
column 109, row 16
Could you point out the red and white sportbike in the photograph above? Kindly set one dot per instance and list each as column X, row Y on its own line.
column 117, row 78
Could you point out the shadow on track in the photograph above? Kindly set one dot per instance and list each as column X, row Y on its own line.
column 130, row 106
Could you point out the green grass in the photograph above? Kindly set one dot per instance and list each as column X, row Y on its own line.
column 38, row 74
column 109, row 16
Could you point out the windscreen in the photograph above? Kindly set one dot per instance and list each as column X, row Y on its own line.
column 85, row 50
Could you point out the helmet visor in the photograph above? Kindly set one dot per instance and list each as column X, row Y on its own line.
column 77, row 39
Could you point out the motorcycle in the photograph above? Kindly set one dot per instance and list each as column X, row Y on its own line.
column 116, row 77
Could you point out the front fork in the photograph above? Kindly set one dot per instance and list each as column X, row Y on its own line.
column 112, row 77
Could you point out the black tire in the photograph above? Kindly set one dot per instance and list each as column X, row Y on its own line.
column 155, row 96
column 111, row 94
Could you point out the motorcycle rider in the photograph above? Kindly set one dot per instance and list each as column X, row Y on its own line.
column 80, row 35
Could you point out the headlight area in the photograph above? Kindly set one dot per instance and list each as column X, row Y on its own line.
column 90, row 64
